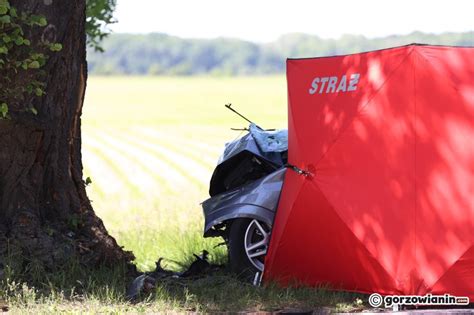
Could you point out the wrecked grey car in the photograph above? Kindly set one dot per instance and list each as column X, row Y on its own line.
column 245, row 189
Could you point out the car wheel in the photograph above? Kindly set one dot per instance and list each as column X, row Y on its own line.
column 248, row 245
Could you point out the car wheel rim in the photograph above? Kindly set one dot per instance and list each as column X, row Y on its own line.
column 256, row 242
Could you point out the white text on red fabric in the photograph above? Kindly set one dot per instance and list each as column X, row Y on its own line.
column 334, row 85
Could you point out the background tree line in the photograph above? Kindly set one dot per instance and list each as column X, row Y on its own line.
column 162, row 54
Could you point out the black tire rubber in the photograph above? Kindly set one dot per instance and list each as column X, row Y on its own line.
column 238, row 260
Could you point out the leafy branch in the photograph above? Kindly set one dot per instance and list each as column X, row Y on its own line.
column 99, row 15
column 21, row 59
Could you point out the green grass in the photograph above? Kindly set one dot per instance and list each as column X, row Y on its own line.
column 150, row 145
column 76, row 290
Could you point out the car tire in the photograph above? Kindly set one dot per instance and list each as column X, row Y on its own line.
column 243, row 232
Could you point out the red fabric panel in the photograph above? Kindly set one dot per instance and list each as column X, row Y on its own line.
column 314, row 250
column 393, row 171
column 459, row 279
column 444, row 158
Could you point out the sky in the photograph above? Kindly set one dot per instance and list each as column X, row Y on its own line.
column 265, row 21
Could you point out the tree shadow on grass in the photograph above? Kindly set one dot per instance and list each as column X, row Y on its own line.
column 223, row 292
column 74, row 288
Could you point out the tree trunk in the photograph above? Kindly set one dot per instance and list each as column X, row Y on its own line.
column 45, row 214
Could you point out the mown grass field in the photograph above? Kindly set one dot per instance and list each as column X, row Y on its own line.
column 150, row 145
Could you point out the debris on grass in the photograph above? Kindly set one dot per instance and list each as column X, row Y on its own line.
column 146, row 282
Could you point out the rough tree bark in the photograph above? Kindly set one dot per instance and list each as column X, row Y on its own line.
column 45, row 214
